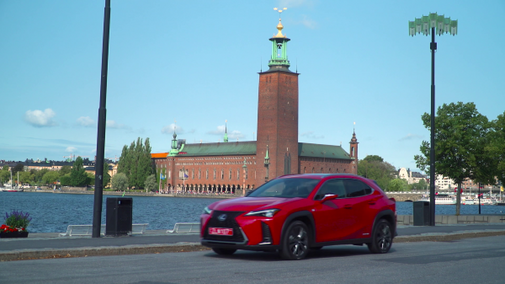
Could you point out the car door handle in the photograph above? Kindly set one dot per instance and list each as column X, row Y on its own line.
column 348, row 206
column 371, row 203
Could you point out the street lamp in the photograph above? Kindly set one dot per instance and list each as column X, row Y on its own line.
column 244, row 167
column 440, row 25
column 267, row 163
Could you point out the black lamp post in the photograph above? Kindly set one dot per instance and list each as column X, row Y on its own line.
column 426, row 25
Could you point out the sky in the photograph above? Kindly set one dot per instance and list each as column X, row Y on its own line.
column 193, row 65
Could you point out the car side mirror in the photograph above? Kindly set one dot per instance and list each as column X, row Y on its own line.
column 329, row 196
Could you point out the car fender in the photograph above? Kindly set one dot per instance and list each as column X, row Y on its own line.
column 305, row 216
column 390, row 215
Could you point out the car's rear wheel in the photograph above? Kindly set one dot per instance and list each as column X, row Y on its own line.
column 224, row 251
column 382, row 237
column 295, row 242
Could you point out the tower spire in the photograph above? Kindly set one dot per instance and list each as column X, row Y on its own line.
column 279, row 46
column 225, row 132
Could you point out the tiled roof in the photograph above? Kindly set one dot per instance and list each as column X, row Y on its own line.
column 220, row 149
column 322, row 151
column 159, row 155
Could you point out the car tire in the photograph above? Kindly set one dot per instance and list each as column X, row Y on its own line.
column 224, row 251
column 382, row 237
column 295, row 241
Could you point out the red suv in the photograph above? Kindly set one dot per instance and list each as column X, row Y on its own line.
column 296, row 213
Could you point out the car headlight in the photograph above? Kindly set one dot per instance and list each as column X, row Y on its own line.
column 206, row 210
column 263, row 213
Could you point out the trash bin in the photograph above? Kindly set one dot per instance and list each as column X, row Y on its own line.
column 421, row 213
column 118, row 219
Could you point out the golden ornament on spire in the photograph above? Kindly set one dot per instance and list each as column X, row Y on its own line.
column 279, row 26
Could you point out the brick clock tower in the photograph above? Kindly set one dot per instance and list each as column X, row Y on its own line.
column 277, row 140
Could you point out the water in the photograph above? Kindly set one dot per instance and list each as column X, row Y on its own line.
column 52, row 212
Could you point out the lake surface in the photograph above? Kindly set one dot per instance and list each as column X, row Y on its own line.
column 53, row 212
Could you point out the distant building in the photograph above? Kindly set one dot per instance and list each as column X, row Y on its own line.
column 236, row 166
column 410, row 176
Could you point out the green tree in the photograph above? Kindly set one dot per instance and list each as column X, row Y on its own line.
column 37, row 175
column 420, row 185
column 398, row 184
column 26, row 177
column 18, row 168
column 50, row 177
column 460, row 131
column 65, row 170
column 151, row 184
column 374, row 167
column 78, row 176
column 120, row 182
column 106, row 175
column 5, row 175
column 66, row 180
column 496, row 148
column 136, row 163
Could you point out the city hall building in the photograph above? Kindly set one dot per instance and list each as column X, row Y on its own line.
column 234, row 167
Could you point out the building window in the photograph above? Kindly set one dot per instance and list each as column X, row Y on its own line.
column 230, row 175
column 199, row 174
column 214, row 173
column 222, row 174
column 238, row 174
column 207, row 174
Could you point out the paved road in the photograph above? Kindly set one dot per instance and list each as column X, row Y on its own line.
column 50, row 245
column 473, row 260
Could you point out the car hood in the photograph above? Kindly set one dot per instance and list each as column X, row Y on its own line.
column 246, row 204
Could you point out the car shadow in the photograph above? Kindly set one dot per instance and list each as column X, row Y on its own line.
column 329, row 251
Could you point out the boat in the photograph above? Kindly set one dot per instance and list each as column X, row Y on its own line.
column 10, row 188
column 441, row 199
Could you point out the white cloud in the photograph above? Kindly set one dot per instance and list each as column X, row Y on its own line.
column 40, row 118
column 85, row 121
column 411, row 136
column 219, row 130
column 70, row 149
column 309, row 23
column 169, row 129
column 311, row 135
column 114, row 125
column 236, row 135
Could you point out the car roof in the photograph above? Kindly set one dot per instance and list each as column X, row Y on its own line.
column 320, row 175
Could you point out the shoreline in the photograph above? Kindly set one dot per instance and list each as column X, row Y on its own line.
column 131, row 194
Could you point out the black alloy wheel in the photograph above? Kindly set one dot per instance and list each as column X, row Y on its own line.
column 224, row 251
column 295, row 242
column 382, row 237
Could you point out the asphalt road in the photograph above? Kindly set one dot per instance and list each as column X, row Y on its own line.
column 473, row 260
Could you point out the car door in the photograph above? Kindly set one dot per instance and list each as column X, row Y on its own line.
column 331, row 217
column 360, row 208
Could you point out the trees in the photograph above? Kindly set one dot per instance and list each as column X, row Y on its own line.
column 106, row 176
column 120, row 182
column 398, row 184
column 496, row 147
column 460, row 135
column 5, row 175
column 78, row 176
column 151, row 184
column 50, row 177
column 374, row 167
column 135, row 162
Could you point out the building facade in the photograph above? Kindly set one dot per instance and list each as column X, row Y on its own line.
column 234, row 167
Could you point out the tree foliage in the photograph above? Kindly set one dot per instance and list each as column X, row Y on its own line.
column 374, row 167
column 135, row 162
column 460, row 139
column 151, row 184
column 398, row 184
column 50, row 177
column 120, row 182
column 78, row 176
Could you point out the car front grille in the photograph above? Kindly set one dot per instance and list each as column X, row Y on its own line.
column 229, row 222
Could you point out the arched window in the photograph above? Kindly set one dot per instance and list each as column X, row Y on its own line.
column 207, row 174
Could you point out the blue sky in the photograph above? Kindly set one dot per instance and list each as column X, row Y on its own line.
column 196, row 63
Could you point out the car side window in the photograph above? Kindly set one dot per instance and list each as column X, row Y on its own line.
column 332, row 186
column 355, row 188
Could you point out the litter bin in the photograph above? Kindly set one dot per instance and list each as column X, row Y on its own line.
column 421, row 213
column 119, row 216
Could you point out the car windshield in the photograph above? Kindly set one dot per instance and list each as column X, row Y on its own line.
column 286, row 188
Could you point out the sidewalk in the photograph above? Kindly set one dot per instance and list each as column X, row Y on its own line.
column 50, row 245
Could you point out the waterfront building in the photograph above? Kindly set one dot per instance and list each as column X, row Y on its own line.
column 234, row 167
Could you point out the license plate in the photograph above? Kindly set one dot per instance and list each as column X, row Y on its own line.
column 221, row 231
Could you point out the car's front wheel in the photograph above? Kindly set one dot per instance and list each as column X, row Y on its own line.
column 224, row 251
column 382, row 237
column 295, row 242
